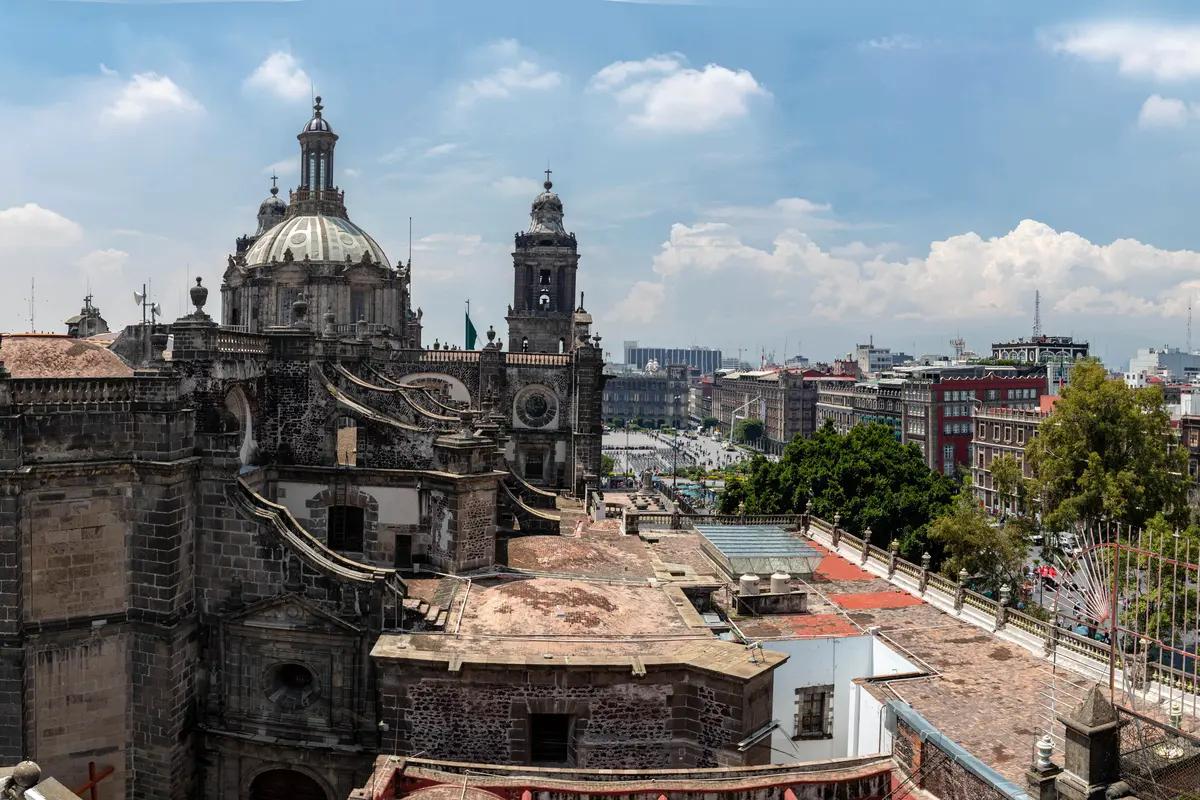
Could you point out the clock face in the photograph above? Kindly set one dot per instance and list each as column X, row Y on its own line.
column 536, row 408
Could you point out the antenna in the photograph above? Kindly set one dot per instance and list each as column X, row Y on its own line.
column 1189, row 327
column 410, row 241
column 1037, row 313
column 32, row 303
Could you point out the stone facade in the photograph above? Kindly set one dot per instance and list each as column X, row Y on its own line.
column 193, row 571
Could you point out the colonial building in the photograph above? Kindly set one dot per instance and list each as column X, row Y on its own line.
column 1040, row 349
column 200, row 546
column 655, row 398
column 1001, row 432
column 784, row 399
column 835, row 403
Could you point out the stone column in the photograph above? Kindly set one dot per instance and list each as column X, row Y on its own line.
column 926, row 560
column 1092, row 757
column 1002, row 606
column 837, row 530
column 960, row 591
column 866, row 545
column 893, row 550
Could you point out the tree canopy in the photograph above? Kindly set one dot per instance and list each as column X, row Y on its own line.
column 749, row 430
column 1104, row 453
column 991, row 554
column 865, row 475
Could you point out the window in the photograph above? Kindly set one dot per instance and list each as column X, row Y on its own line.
column 1020, row 435
column 948, row 459
column 993, row 394
column 360, row 305
column 1008, row 433
column 981, row 432
column 345, row 529
column 814, row 712
column 549, row 739
column 995, row 432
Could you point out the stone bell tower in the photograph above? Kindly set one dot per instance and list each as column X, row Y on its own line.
column 545, row 258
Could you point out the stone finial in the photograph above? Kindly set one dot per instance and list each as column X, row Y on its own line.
column 1095, row 711
column 199, row 295
column 926, row 560
column 299, row 311
column 491, row 334
column 963, row 575
column 330, row 323
column 26, row 775
column 1005, row 594
column 1045, row 749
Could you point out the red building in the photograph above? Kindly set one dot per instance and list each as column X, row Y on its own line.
column 939, row 403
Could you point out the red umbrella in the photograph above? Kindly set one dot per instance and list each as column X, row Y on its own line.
column 1047, row 571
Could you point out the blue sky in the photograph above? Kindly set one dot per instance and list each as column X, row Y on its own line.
column 740, row 174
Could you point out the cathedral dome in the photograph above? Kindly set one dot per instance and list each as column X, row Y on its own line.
column 546, row 215
column 318, row 237
column 270, row 212
column 318, row 123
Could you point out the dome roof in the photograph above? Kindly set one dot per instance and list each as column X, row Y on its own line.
column 317, row 236
column 318, row 123
column 546, row 215
column 273, row 205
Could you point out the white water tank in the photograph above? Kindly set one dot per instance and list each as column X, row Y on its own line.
column 748, row 584
column 780, row 583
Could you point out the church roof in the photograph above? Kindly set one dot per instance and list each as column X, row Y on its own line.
column 47, row 355
column 319, row 237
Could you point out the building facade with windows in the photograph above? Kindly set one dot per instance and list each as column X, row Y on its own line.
column 704, row 360
column 654, row 399
column 1001, row 432
column 835, row 403
column 784, row 399
column 1040, row 350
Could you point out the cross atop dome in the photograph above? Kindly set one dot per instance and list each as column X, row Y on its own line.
column 548, row 184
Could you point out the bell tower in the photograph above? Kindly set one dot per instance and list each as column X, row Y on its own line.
column 545, row 258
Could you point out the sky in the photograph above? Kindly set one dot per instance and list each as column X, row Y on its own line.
column 756, row 175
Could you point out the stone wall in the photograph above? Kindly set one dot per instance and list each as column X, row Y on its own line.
column 668, row 718
column 939, row 773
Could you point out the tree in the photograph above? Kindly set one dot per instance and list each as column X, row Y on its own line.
column 1007, row 479
column 708, row 423
column 867, row 476
column 991, row 554
column 607, row 465
column 1104, row 453
column 1162, row 591
column 749, row 430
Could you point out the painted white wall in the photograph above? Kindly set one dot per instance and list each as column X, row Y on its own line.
column 295, row 495
column 398, row 505
column 857, row 718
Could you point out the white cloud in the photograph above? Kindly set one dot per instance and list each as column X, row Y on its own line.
column 280, row 74
column 1164, row 112
column 445, row 148
column 103, row 263
column 1159, row 51
column 283, row 166
column 512, row 186
column 642, row 305
column 900, row 41
column 351, row 172
column 513, row 74
column 964, row 278
column 149, row 94
column 107, row 71
column 662, row 94
column 31, row 226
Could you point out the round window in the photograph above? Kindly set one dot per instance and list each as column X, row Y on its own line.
column 536, row 408
column 291, row 686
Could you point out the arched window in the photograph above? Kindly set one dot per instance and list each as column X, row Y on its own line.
column 345, row 529
column 562, row 346
column 347, row 442
column 285, row 784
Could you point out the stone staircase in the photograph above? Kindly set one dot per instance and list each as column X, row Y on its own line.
column 420, row 615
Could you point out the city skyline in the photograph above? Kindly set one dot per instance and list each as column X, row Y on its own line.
column 815, row 180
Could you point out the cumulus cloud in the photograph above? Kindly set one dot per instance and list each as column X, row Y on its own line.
column 280, row 74
column 1164, row 112
column 642, row 305
column 443, row 149
column 103, row 263
column 663, row 95
column 965, row 277
column 1139, row 49
column 30, row 225
column 146, row 95
column 513, row 74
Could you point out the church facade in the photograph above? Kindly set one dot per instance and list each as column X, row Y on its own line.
column 206, row 526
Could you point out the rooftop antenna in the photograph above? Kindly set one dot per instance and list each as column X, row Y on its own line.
column 1189, row 327
column 1037, row 313
column 410, row 241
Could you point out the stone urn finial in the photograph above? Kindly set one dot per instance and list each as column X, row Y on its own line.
column 199, row 295
column 491, row 334
column 26, row 775
column 437, row 345
column 330, row 323
column 299, row 310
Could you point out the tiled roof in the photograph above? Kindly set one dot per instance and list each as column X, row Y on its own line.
column 45, row 355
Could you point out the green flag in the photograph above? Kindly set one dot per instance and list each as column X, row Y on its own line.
column 471, row 334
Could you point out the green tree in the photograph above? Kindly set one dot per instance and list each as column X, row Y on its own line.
column 867, row 476
column 749, row 430
column 1163, row 593
column 1007, row 479
column 1104, row 453
column 991, row 554
column 607, row 465
column 708, row 423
